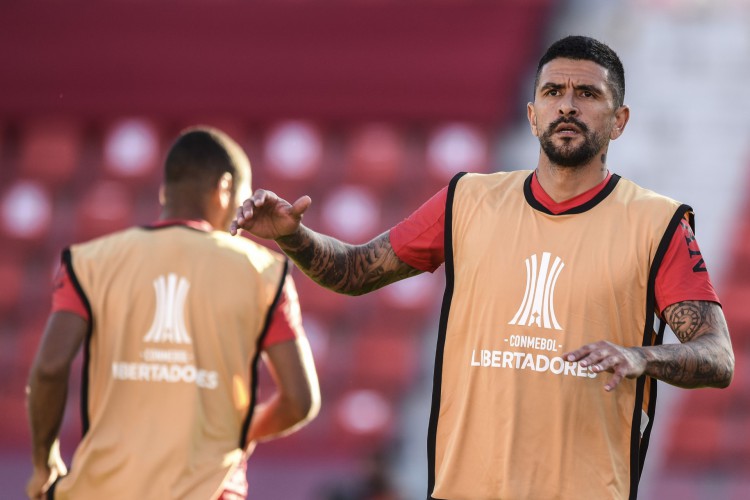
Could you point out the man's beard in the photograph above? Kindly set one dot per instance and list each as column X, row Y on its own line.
column 567, row 155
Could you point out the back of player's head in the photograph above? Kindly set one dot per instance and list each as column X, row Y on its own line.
column 201, row 156
column 583, row 48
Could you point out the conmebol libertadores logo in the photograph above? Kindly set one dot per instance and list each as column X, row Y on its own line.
column 169, row 320
column 537, row 307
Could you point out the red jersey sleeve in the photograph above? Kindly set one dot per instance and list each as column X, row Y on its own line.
column 683, row 274
column 65, row 296
column 286, row 318
column 419, row 240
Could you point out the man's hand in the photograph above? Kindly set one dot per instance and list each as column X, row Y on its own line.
column 267, row 216
column 604, row 356
column 44, row 476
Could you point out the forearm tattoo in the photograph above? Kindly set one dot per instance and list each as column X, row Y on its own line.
column 345, row 268
column 704, row 358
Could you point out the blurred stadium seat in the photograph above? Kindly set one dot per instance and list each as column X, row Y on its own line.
column 351, row 213
column 104, row 206
column 12, row 266
column 457, row 147
column 385, row 359
column 294, row 150
column 50, row 150
column 26, row 211
column 133, row 150
column 375, row 157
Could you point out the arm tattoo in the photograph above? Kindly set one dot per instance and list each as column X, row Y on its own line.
column 704, row 358
column 685, row 318
column 345, row 268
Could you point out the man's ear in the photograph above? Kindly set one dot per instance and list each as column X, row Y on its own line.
column 531, row 115
column 224, row 190
column 162, row 195
column 622, row 115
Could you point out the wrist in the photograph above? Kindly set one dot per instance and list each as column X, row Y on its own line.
column 644, row 356
column 41, row 465
column 291, row 240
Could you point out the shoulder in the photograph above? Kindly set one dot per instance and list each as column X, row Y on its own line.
column 640, row 197
column 492, row 179
column 497, row 187
column 243, row 248
column 116, row 241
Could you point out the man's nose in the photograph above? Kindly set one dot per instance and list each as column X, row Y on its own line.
column 567, row 105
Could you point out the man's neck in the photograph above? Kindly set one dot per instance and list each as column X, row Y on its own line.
column 564, row 183
column 185, row 214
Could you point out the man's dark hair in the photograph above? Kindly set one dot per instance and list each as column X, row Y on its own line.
column 587, row 49
column 201, row 155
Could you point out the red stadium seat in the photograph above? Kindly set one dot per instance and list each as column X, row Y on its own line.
column 735, row 298
column 384, row 360
column 106, row 206
column 695, row 441
column 50, row 150
column 364, row 419
column 132, row 150
column 457, row 147
column 376, row 156
column 352, row 213
column 26, row 215
column 12, row 265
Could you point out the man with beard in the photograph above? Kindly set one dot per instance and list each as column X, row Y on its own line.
column 559, row 282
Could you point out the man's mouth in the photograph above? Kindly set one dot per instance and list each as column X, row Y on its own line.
column 567, row 129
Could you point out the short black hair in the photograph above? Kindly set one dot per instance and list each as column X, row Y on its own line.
column 201, row 155
column 588, row 49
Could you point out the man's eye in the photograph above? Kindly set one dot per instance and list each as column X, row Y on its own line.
column 553, row 93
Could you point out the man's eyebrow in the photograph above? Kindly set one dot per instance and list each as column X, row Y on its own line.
column 551, row 86
column 588, row 88
column 584, row 87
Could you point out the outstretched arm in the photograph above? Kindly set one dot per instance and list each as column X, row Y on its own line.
column 704, row 358
column 47, row 393
column 345, row 268
column 339, row 266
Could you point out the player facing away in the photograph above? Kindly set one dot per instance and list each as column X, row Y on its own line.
column 558, row 283
column 173, row 319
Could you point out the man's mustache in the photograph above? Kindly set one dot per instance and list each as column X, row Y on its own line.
column 582, row 126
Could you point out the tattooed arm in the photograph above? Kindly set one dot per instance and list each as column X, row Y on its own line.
column 704, row 358
column 338, row 266
column 345, row 268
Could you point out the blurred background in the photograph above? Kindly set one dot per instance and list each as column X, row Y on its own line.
column 369, row 106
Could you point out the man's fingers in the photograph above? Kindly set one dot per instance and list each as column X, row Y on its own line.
column 300, row 206
column 614, row 381
column 243, row 214
column 576, row 355
column 583, row 356
column 260, row 197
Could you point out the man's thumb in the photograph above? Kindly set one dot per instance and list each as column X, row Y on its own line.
column 300, row 206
